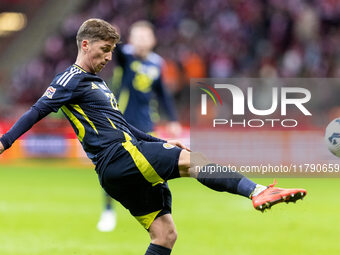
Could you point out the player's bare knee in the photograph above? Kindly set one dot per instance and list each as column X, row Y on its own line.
column 189, row 162
column 164, row 237
column 184, row 163
column 197, row 160
column 163, row 231
column 171, row 237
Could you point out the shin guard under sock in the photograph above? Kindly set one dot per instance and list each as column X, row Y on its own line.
column 225, row 180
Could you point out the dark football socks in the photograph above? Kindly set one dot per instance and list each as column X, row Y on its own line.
column 107, row 201
column 225, row 180
column 155, row 249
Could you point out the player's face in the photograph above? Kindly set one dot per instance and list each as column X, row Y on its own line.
column 143, row 40
column 99, row 53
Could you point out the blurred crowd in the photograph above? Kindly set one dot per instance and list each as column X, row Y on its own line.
column 199, row 38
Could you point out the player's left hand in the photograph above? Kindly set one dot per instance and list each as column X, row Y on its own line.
column 179, row 144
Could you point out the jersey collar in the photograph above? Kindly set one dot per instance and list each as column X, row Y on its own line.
column 75, row 65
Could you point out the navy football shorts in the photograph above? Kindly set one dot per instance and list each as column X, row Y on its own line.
column 136, row 177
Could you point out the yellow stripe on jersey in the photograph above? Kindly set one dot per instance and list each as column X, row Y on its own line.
column 78, row 109
column 76, row 122
column 127, row 137
column 123, row 100
column 141, row 162
column 147, row 219
column 113, row 125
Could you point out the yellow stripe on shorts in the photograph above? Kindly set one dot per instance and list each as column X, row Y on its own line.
column 147, row 219
column 142, row 163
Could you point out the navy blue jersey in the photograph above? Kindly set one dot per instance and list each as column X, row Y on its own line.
column 141, row 79
column 92, row 110
column 90, row 107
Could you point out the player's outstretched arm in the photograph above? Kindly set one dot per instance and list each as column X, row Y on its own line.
column 49, row 102
column 25, row 123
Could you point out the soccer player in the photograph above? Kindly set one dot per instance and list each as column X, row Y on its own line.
column 108, row 218
column 137, row 79
column 140, row 71
column 132, row 167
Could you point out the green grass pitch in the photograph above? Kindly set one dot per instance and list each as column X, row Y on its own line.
column 52, row 207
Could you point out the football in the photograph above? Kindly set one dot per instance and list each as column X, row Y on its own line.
column 332, row 136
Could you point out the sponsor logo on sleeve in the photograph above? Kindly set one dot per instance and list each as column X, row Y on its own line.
column 50, row 92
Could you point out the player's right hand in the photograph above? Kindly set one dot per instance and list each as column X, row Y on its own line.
column 179, row 144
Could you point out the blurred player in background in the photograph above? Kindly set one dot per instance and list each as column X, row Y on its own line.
column 136, row 80
column 132, row 166
column 108, row 217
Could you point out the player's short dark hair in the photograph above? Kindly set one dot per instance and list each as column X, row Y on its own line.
column 95, row 30
column 142, row 23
